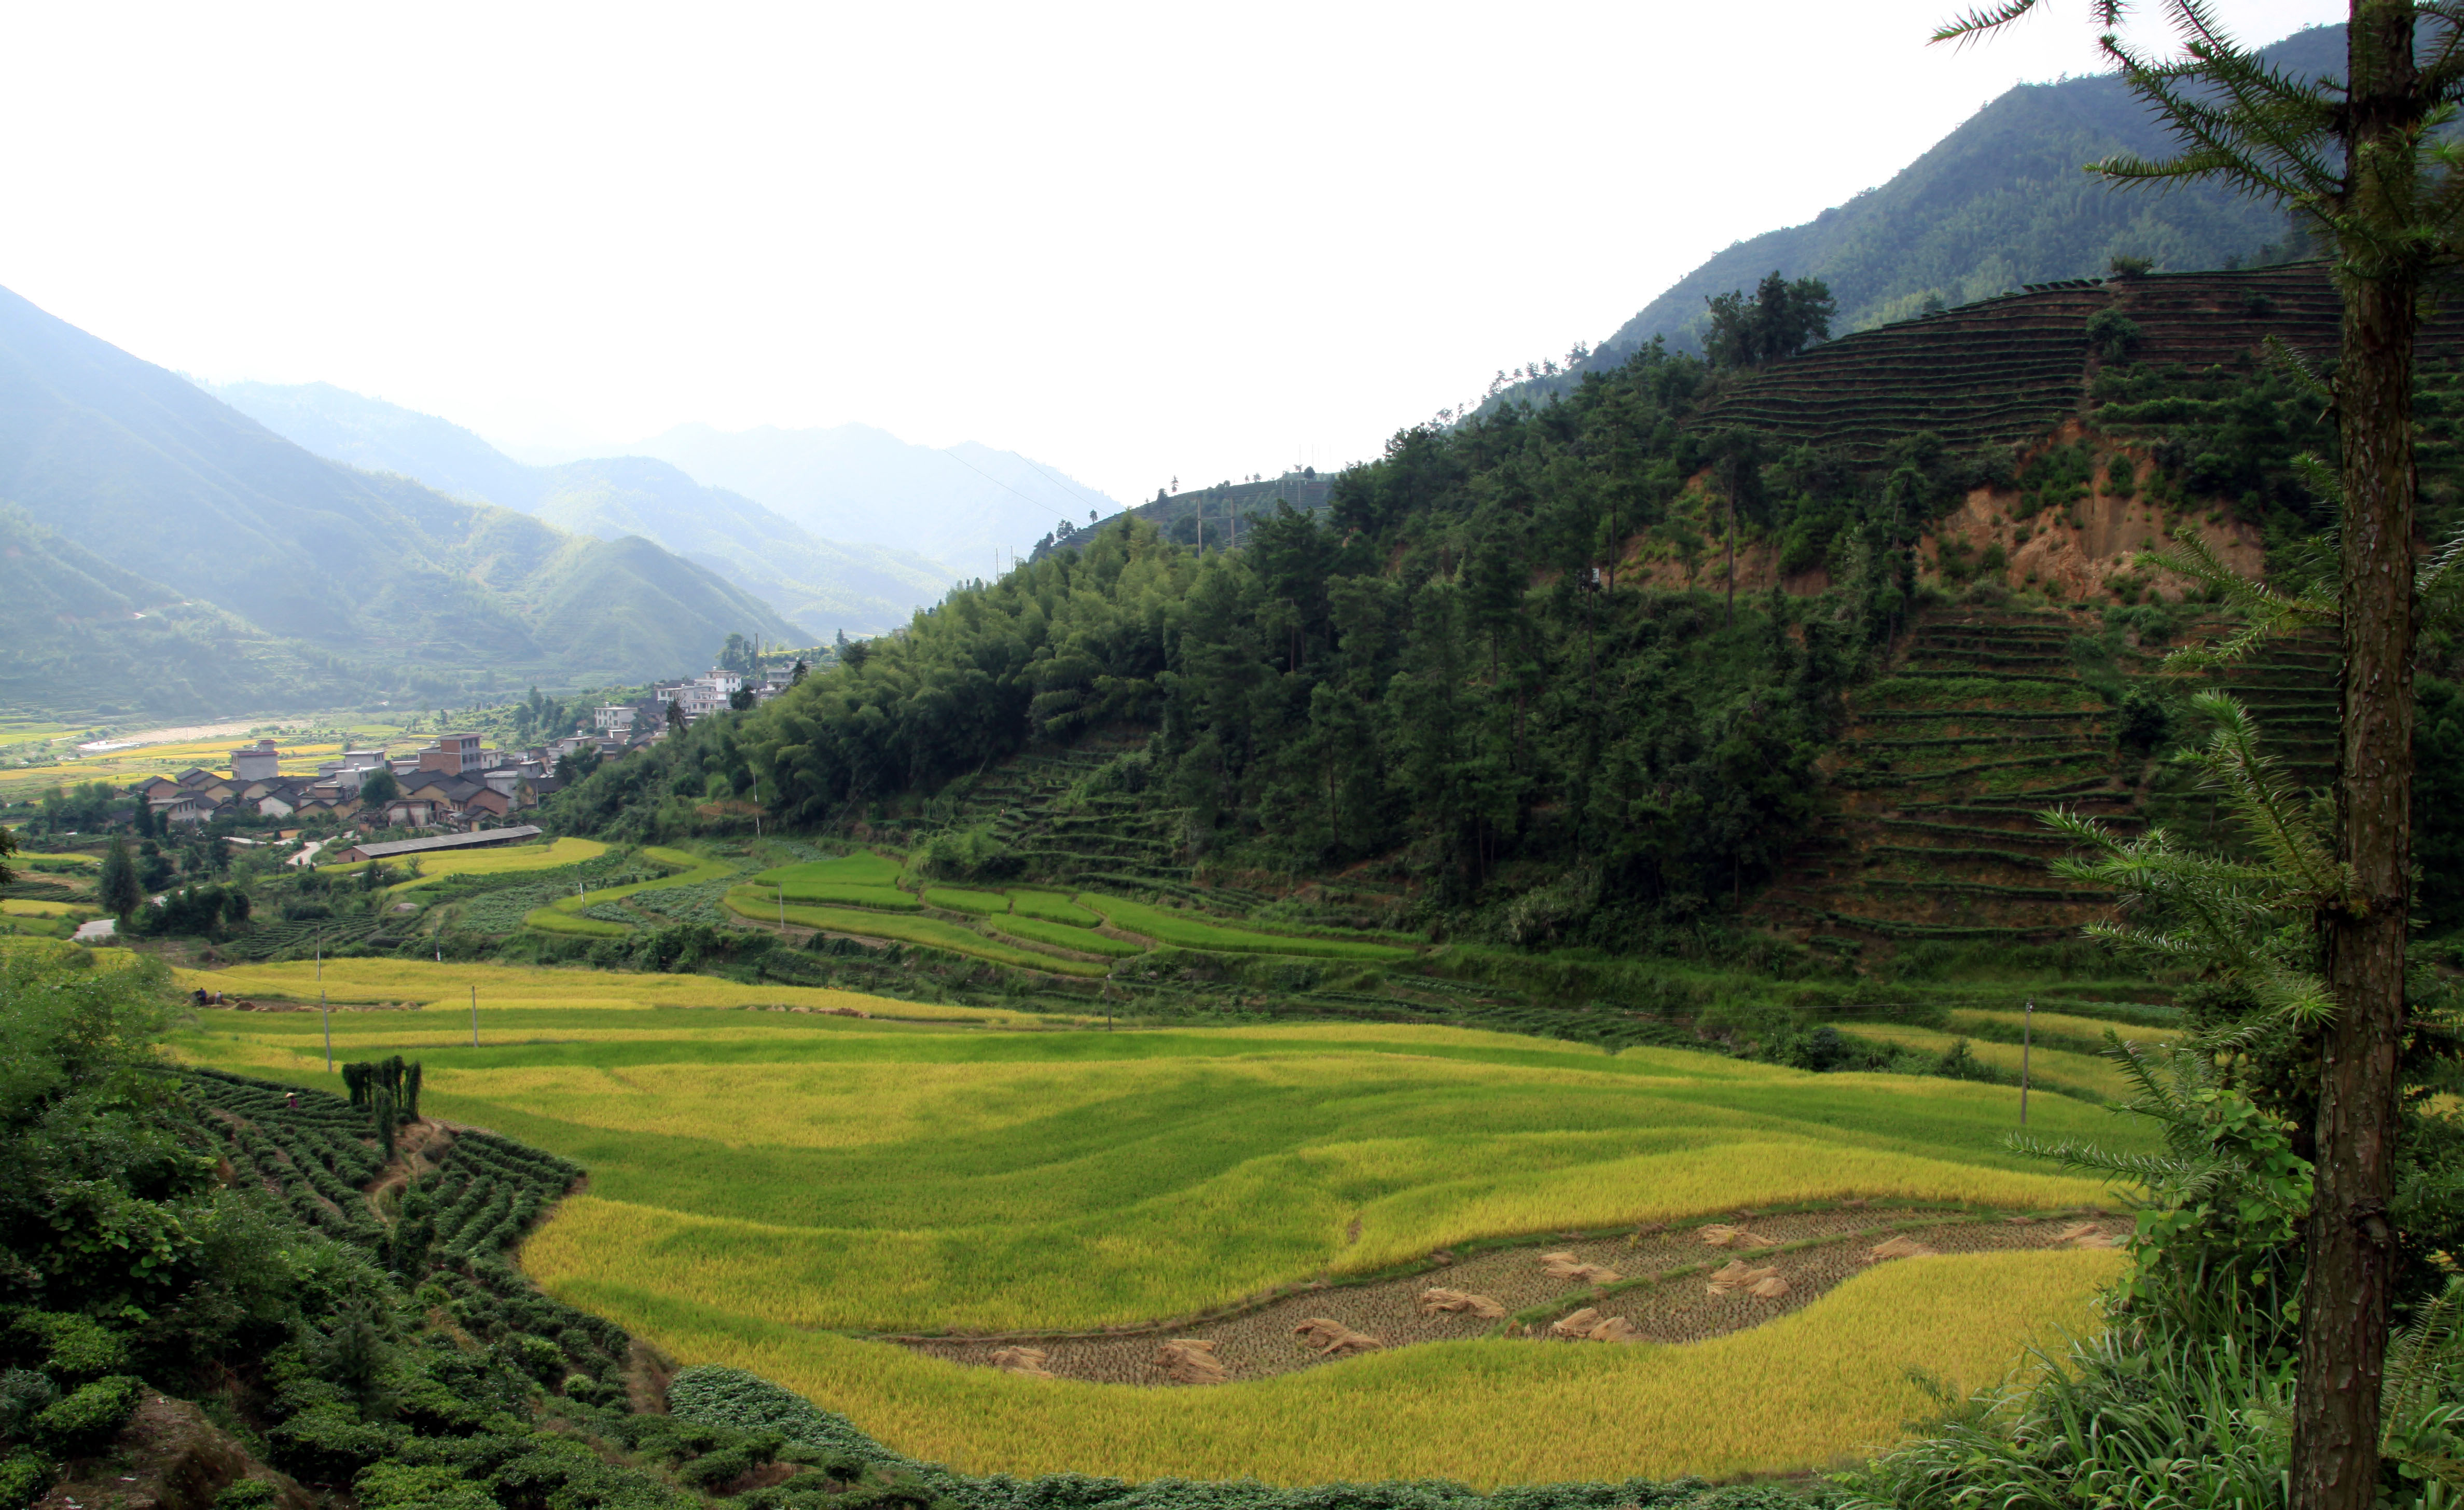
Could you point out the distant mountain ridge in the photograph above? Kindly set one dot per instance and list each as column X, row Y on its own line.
column 958, row 505
column 286, row 576
column 823, row 587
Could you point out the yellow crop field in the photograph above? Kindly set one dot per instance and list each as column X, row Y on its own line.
column 2089, row 1030
column 1803, row 1391
column 511, row 987
column 119, row 767
column 512, row 859
column 2048, row 1067
column 763, row 1182
column 23, row 907
column 31, row 856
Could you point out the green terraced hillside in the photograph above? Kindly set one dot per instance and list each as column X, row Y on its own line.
column 1981, row 721
column 2013, row 368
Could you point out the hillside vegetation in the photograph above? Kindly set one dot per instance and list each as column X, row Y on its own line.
column 1998, row 204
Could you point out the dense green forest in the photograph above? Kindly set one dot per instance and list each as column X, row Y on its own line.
column 1500, row 670
column 1440, row 673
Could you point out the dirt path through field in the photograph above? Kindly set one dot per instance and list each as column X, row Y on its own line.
column 1672, row 1305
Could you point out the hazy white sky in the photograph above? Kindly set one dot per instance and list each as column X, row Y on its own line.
column 1135, row 241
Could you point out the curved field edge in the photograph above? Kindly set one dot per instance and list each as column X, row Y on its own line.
column 930, row 933
column 368, row 981
column 1803, row 1391
column 563, row 915
column 1138, row 1270
column 511, row 860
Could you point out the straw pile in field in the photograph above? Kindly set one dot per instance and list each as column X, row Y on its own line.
column 1589, row 1325
column 1027, row 1360
column 1434, row 1301
column 1738, row 1274
column 1577, row 1325
column 1901, row 1247
column 1190, row 1360
column 1333, row 1339
column 1566, row 1266
column 2086, row 1234
column 1719, row 1234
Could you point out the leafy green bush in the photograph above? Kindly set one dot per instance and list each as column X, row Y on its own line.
column 329, row 1443
column 83, row 1420
column 397, row 1486
column 76, row 1347
column 967, row 854
column 23, row 1476
column 247, row 1494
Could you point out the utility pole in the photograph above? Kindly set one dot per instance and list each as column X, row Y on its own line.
column 1732, row 545
column 2027, row 1041
column 327, row 1016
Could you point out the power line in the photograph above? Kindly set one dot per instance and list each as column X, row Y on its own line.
column 1005, row 487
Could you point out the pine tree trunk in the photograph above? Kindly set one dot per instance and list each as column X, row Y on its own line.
column 2352, row 1248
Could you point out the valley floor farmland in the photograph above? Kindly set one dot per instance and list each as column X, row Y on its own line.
column 763, row 1183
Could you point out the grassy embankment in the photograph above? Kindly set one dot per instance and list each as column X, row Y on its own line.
column 864, row 895
column 564, row 913
column 761, row 1179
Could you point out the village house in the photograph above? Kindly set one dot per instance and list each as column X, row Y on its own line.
column 256, row 761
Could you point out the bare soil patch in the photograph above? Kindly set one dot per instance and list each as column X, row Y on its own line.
column 1664, row 1294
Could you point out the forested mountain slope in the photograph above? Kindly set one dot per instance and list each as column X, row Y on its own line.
column 1505, row 673
column 418, row 591
column 823, row 587
column 2000, row 203
column 88, row 638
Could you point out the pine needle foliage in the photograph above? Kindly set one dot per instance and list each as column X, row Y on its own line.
column 2239, row 920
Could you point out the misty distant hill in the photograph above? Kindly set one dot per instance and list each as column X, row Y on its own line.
column 823, row 587
column 148, row 510
column 853, row 483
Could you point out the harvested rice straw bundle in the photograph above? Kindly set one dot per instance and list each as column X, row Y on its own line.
column 1578, row 1324
column 1333, row 1339
column 2086, row 1234
column 1738, row 1274
column 1901, row 1247
column 1190, row 1360
column 1028, row 1362
column 1589, row 1325
column 1721, row 1236
column 1434, row 1301
column 1566, row 1266
column 1773, row 1288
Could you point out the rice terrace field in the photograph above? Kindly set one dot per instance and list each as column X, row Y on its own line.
column 841, row 1203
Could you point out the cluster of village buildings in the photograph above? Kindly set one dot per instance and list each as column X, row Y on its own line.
column 454, row 784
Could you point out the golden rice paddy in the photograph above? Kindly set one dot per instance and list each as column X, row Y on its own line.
column 765, row 1181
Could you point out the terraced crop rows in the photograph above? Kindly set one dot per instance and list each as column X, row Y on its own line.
column 2011, row 368
column 483, row 1194
column 1984, row 722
